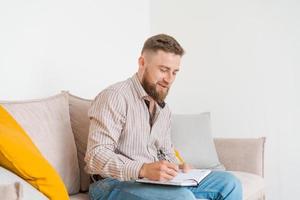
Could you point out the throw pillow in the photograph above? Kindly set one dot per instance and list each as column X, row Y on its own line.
column 21, row 156
column 191, row 136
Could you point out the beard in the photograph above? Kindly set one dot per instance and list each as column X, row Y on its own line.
column 150, row 88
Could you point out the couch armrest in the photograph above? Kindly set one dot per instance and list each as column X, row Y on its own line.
column 239, row 154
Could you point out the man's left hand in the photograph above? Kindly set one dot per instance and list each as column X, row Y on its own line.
column 185, row 167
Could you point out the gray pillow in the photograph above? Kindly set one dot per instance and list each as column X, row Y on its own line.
column 191, row 136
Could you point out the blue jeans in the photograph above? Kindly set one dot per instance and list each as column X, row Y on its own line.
column 217, row 185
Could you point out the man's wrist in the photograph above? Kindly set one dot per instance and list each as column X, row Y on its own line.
column 142, row 171
column 131, row 170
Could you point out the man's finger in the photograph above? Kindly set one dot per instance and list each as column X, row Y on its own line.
column 172, row 166
column 186, row 167
column 171, row 172
column 166, row 176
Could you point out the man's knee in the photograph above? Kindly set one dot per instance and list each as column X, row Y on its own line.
column 233, row 181
column 233, row 186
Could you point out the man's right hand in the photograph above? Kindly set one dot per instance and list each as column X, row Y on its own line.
column 159, row 171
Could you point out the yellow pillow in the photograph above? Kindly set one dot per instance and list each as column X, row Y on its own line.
column 19, row 155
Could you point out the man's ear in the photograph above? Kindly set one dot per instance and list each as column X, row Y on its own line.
column 141, row 63
column 142, row 67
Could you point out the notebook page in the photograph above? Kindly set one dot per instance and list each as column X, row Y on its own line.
column 193, row 174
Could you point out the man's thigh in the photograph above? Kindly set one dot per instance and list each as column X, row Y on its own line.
column 113, row 189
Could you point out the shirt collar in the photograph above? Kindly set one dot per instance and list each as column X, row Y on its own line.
column 141, row 91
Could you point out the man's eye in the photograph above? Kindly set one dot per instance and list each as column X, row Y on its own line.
column 163, row 70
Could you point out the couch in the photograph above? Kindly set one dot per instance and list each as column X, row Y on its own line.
column 243, row 157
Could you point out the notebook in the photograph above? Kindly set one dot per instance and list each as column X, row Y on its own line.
column 192, row 178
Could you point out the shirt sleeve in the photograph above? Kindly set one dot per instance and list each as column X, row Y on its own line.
column 107, row 118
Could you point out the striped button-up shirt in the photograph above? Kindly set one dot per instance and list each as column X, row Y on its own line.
column 121, row 138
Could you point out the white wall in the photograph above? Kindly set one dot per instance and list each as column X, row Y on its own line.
column 75, row 45
column 242, row 64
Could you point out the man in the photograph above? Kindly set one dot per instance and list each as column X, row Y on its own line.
column 130, row 135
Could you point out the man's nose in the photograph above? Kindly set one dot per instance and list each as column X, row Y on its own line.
column 169, row 78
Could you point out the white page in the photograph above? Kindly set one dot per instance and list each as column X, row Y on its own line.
column 193, row 174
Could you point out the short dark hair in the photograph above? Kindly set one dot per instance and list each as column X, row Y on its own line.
column 163, row 42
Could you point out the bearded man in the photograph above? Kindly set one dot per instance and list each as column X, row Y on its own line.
column 129, row 136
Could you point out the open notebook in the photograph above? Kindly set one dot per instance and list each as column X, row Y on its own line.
column 192, row 178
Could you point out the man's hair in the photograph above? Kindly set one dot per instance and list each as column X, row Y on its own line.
column 163, row 42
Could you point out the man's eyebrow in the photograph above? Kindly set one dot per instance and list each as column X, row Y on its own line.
column 163, row 66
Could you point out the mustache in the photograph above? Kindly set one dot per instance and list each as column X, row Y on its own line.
column 163, row 85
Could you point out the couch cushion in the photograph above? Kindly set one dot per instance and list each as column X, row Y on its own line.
column 80, row 125
column 191, row 136
column 21, row 156
column 47, row 122
column 11, row 191
column 253, row 185
column 28, row 192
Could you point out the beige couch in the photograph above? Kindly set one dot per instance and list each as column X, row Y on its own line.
column 244, row 157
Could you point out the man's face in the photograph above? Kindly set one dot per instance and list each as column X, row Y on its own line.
column 157, row 72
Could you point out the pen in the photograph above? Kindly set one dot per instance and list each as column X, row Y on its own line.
column 163, row 156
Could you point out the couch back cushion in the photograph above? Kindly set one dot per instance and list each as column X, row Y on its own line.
column 47, row 122
column 191, row 136
column 19, row 155
column 80, row 125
